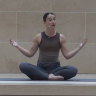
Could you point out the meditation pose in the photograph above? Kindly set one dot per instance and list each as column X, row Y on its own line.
column 49, row 43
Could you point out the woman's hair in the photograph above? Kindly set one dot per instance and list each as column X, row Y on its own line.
column 46, row 14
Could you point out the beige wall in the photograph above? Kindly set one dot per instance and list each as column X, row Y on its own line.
column 21, row 20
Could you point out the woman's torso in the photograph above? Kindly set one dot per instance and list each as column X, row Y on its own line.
column 49, row 48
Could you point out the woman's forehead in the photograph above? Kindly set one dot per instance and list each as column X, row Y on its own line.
column 51, row 16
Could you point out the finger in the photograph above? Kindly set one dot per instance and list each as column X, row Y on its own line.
column 85, row 41
column 11, row 41
column 81, row 45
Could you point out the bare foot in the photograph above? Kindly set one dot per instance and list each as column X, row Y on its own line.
column 53, row 77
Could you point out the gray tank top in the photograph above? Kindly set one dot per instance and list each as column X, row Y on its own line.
column 49, row 48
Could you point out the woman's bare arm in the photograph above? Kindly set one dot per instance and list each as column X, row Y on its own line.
column 32, row 51
column 65, row 50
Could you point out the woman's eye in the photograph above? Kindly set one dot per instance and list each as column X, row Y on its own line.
column 50, row 19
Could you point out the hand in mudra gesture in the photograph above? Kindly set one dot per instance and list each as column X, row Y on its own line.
column 83, row 42
column 13, row 43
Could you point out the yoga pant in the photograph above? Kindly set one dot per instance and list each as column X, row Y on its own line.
column 42, row 70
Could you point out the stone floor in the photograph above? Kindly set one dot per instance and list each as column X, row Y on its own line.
column 20, row 84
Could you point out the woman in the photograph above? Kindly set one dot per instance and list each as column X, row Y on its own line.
column 49, row 43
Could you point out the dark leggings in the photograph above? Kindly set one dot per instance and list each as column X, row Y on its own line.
column 42, row 70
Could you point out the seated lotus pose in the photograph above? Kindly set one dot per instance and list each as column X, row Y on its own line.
column 49, row 44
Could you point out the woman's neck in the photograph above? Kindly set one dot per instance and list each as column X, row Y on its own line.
column 50, row 33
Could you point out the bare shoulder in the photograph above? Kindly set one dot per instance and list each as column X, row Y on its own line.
column 38, row 35
column 37, row 38
column 62, row 38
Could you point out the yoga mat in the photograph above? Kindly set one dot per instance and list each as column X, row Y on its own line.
column 28, row 79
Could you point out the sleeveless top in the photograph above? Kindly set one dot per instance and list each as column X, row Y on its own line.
column 49, row 48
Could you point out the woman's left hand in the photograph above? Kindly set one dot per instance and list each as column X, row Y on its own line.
column 83, row 43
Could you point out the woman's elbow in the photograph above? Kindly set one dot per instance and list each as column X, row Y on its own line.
column 66, row 57
column 29, row 55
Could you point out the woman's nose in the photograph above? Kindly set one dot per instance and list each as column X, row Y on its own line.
column 53, row 21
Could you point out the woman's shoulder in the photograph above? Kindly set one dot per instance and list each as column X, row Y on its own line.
column 38, row 37
column 62, row 37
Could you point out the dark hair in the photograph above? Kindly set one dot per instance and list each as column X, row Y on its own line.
column 46, row 14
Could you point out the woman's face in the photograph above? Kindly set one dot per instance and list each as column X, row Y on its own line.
column 50, row 21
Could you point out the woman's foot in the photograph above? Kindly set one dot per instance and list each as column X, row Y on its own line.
column 53, row 77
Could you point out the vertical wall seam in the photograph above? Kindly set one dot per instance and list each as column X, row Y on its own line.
column 16, row 26
column 85, row 25
column 51, row 5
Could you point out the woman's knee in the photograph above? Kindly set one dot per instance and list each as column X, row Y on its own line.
column 23, row 66
column 74, row 70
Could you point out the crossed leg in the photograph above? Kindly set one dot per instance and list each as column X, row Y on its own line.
column 33, row 72
column 36, row 73
column 67, row 72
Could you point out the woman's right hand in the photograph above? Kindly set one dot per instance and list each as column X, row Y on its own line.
column 13, row 43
